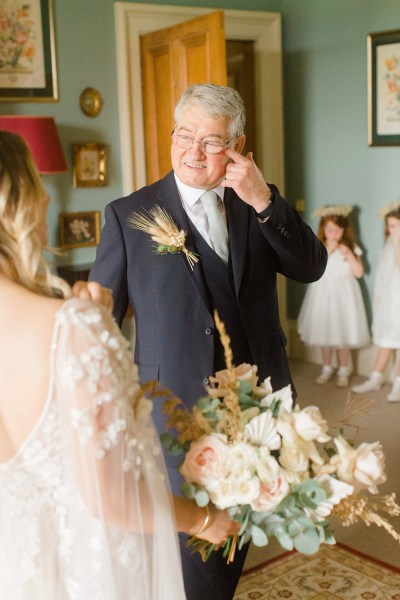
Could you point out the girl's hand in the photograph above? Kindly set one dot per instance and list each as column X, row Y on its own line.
column 344, row 249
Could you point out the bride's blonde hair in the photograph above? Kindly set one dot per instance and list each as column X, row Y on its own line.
column 22, row 209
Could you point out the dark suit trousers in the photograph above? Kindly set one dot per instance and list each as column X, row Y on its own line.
column 211, row 580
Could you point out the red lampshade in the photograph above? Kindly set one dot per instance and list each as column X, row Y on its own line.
column 41, row 135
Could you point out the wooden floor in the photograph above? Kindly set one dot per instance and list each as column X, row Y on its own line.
column 383, row 424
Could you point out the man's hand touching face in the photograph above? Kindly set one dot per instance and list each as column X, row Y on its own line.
column 243, row 175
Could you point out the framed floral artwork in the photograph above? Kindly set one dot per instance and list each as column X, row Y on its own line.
column 384, row 88
column 89, row 165
column 79, row 229
column 27, row 51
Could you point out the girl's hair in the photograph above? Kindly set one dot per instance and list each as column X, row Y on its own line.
column 23, row 203
column 215, row 101
column 393, row 213
column 340, row 221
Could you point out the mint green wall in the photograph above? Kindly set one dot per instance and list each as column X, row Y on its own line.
column 325, row 90
column 85, row 47
column 327, row 155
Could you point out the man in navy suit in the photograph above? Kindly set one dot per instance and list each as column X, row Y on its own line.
column 173, row 304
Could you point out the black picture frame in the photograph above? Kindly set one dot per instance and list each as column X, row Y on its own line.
column 30, row 75
column 384, row 88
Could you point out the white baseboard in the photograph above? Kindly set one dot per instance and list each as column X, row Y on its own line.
column 362, row 360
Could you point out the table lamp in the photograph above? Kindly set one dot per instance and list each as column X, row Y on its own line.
column 41, row 136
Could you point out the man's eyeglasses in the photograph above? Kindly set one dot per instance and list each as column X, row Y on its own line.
column 185, row 142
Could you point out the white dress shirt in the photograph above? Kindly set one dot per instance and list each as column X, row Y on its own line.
column 192, row 205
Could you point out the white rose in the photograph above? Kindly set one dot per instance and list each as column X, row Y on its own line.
column 285, row 425
column 310, row 425
column 294, row 463
column 221, row 493
column 268, row 467
column 245, row 490
column 233, row 491
column 365, row 464
column 241, row 460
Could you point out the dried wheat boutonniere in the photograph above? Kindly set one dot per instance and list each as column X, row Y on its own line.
column 162, row 229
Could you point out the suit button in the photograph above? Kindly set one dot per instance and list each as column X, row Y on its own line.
column 205, row 381
column 208, row 331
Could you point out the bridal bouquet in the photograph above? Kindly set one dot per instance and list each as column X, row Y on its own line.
column 275, row 467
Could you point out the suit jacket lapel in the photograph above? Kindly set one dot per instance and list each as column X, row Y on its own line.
column 237, row 214
column 168, row 197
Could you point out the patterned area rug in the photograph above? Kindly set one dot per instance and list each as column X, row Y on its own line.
column 334, row 573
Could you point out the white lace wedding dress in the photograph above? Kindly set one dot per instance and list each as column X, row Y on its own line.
column 84, row 507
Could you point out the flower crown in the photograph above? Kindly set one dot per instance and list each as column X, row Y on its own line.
column 342, row 210
column 389, row 208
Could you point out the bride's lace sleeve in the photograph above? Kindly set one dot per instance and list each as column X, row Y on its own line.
column 115, row 453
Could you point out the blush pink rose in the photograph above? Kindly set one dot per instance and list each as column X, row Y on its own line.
column 271, row 495
column 206, row 460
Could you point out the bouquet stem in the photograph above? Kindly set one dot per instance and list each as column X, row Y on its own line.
column 232, row 549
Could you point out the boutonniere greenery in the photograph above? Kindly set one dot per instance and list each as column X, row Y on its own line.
column 163, row 231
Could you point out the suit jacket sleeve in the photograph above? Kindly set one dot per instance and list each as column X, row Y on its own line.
column 110, row 267
column 301, row 255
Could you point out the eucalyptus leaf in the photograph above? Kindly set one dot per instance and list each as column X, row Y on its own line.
column 202, row 498
column 215, row 402
column 329, row 537
column 307, row 542
column 244, row 519
column 295, row 528
column 211, row 416
column 188, row 490
column 245, row 387
column 285, row 541
column 166, row 439
column 175, row 448
column 203, row 402
column 305, row 521
column 258, row 536
column 246, row 400
column 275, row 407
column 243, row 539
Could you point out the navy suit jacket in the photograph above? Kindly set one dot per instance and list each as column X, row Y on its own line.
column 169, row 299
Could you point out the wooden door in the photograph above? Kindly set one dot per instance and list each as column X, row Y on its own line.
column 173, row 59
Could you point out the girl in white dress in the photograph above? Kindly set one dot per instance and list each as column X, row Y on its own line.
column 386, row 308
column 85, row 512
column 332, row 314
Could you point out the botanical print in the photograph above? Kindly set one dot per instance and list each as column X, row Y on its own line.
column 388, row 89
column 79, row 229
column 21, row 44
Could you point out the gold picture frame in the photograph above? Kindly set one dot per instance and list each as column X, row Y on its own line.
column 79, row 229
column 89, row 165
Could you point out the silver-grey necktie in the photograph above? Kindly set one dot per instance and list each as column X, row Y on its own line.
column 216, row 223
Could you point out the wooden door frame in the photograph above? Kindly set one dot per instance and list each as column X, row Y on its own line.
column 263, row 28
